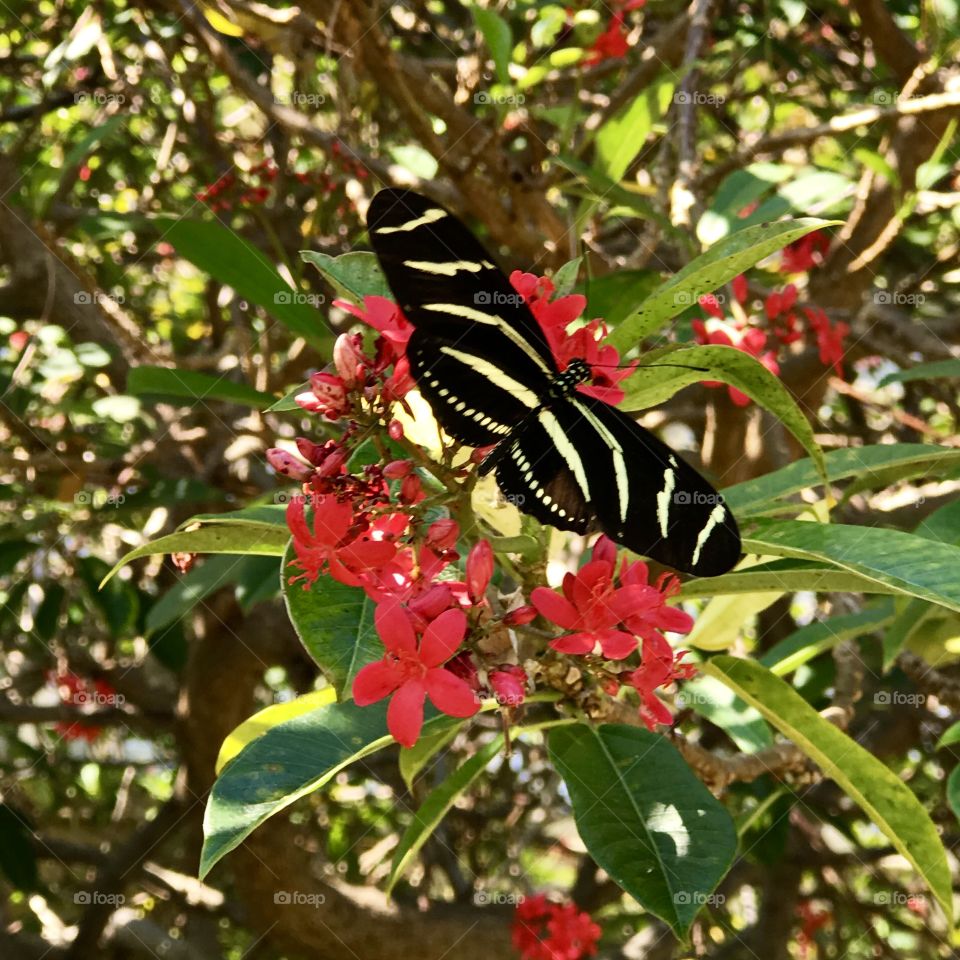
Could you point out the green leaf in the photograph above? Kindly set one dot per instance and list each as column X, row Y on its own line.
column 953, row 791
column 287, row 762
column 822, row 635
column 722, row 621
column 499, row 40
column 622, row 137
column 436, row 806
column 246, row 538
column 645, row 818
column 651, row 385
column 191, row 384
column 950, row 736
column 352, row 275
column 721, row 706
column 335, row 624
column 787, row 576
column 934, row 370
column 615, row 296
column 414, row 759
column 565, row 279
column 874, row 466
column 908, row 563
column 722, row 262
column 261, row 514
column 288, row 401
column 229, row 258
column 883, row 796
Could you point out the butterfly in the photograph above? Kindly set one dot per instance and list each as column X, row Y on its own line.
column 481, row 360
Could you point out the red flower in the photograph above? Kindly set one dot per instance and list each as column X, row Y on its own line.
column 551, row 931
column 328, row 396
column 659, row 667
column 410, row 672
column 331, row 546
column 509, row 685
column 385, row 317
column 479, row 570
column 805, row 253
column 584, row 343
column 611, row 44
column 81, row 694
column 595, row 607
column 442, row 535
column 829, row 337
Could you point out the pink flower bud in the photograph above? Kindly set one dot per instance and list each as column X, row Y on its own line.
column 314, row 453
column 288, row 465
column 398, row 469
column 395, row 430
column 605, row 549
column 332, row 465
column 331, row 392
column 520, row 616
column 509, row 684
column 479, row 570
column 347, row 358
column 433, row 601
column 462, row 666
column 442, row 535
column 411, row 490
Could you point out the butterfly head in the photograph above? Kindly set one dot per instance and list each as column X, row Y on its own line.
column 578, row 371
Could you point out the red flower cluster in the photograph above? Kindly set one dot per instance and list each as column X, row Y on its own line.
column 608, row 617
column 780, row 316
column 552, row 931
column 81, row 693
column 806, row 253
column 584, row 343
column 231, row 189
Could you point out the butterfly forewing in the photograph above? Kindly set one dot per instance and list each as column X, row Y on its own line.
column 481, row 360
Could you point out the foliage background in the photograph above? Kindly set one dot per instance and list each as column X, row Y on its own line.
column 115, row 120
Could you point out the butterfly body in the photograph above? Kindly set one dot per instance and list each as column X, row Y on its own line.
column 483, row 363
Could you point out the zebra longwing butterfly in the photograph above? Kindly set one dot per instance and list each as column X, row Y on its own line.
column 482, row 361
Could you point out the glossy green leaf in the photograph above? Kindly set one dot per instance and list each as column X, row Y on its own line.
column 227, row 257
column 874, row 466
column 288, row 400
column 622, row 137
column 950, row 736
column 499, row 40
column 935, row 370
column 725, row 260
column 247, row 538
column 413, row 760
column 651, row 385
column 822, row 635
column 335, row 624
column 287, row 762
column 723, row 620
column 163, row 382
column 882, row 795
column 910, row 564
column 953, row 791
column 434, row 808
column 565, row 279
column 352, row 275
column 644, row 817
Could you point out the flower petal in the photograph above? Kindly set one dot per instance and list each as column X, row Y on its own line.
column 405, row 713
column 450, row 693
column 617, row 644
column 554, row 607
column 376, row 681
column 394, row 627
column 575, row 643
column 443, row 637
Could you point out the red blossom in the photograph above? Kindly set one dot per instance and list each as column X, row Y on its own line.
column 81, row 693
column 659, row 667
column 443, row 534
column 829, row 336
column 509, row 685
column 805, row 253
column 551, row 931
column 330, row 396
column 479, row 570
column 385, row 317
column 520, row 616
column 331, row 546
column 411, row 672
column 611, row 44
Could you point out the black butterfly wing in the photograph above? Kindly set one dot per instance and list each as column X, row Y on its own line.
column 475, row 336
column 581, row 463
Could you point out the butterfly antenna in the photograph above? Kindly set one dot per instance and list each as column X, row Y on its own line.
column 624, row 366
